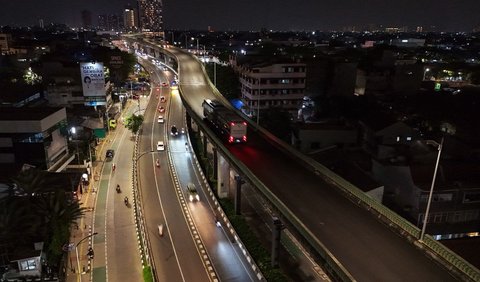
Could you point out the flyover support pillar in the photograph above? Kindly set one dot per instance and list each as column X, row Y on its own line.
column 238, row 195
column 223, row 176
column 205, row 143
column 276, row 233
column 215, row 163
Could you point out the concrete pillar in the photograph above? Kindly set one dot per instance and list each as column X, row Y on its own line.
column 223, row 177
column 215, row 163
column 205, row 143
column 276, row 232
column 238, row 195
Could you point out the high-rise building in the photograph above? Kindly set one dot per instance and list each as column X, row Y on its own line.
column 150, row 16
column 110, row 22
column 86, row 19
column 129, row 22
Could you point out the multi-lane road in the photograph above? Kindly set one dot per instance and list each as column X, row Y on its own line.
column 192, row 247
column 369, row 250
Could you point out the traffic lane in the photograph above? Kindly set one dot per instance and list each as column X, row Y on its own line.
column 183, row 235
column 227, row 259
column 336, row 222
column 122, row 246
column 189, row 257
column 176, row 229
column 163, row 253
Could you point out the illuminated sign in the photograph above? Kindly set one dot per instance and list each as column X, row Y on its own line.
column 93, row 79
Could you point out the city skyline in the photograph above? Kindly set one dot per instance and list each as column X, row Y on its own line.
column 250, row 15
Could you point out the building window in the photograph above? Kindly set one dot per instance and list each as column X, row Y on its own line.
column 437, row 218
column 28, row 265
column 409, row 138
column 398, row 138
column 471, row 197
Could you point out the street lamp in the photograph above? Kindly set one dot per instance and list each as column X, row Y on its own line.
column 76, row 252
column 425, row 73
column 425, row 218
column 258, row 103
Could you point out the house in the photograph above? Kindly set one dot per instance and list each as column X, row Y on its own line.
column 26, row 263
column 317, row 135
column 455, row 206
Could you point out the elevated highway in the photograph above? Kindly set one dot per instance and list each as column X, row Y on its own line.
column 352, row 240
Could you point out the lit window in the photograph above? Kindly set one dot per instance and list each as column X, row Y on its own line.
column 398, row 138
column 28, row 265
column 409, row 138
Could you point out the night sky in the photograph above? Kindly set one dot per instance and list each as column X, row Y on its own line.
column 448, row 15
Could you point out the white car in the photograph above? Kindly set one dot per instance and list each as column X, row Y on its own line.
column 160, row 119
column 160, row 146
column 192, row 193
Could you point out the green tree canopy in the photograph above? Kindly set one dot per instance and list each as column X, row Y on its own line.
column 133, row 123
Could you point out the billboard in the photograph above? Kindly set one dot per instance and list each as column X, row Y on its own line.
column 93, row 79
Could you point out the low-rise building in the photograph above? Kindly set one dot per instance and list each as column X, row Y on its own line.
column 35, row 136
column 270, row 83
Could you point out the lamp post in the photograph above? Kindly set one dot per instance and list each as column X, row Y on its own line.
column 258, row 103
column 215, row 73
column 76, row 252
column 425, row 218
column 425, row 73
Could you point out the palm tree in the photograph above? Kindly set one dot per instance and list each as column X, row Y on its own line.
column 57, row 214
column 15, row 222
column 30, row 181
column 50, row 211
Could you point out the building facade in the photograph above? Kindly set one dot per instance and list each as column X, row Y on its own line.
column 271, row 84
column 129, row 19
column 33, row 136
column 150, row 16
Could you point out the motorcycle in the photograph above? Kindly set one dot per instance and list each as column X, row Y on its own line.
column 125, row 200
column 118, row 189
column 157, row 163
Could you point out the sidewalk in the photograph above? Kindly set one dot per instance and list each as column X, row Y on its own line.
column 83, row 229
column 82, row 233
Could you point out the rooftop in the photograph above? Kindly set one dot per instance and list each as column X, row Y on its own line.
column 37, row 113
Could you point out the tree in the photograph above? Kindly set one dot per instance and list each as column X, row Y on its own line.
column 43, row 211
column 133, row 123
column 278, row 122
column 227, row 81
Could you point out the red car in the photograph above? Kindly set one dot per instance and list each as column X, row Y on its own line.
column 161, row 109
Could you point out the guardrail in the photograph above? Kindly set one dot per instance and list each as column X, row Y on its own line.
column 435, row 249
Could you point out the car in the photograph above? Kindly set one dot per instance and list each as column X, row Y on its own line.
column 162, row 99
column 174, row 130
column 164, row 84
column 160, row 119
column 161, row 109
column 192, row 192
column 160, row 146
column 109, row 154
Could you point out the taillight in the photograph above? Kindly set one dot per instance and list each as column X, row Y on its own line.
column 244, row 138
column 230, row 140
column 244, row 123
column 232, row 123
